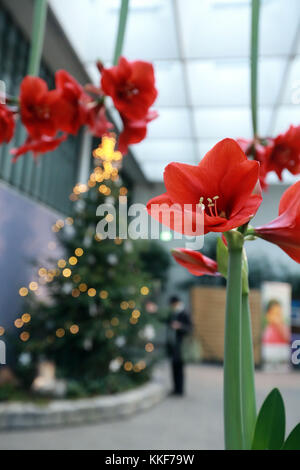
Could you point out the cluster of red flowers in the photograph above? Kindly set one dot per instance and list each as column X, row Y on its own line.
column 50, row 115
column 275, row 154
column 225, row 184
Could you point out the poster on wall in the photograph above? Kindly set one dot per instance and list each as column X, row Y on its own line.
column 276, row 336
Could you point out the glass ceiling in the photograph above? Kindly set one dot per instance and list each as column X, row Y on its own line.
column 200, row 50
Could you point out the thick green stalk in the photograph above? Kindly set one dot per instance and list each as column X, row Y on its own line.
column 233, row 419
column 37, row 37
column 248, row 382
column 254, row 62
column 121, row 30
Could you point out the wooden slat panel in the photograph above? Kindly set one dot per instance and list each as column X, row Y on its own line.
column 208, row 314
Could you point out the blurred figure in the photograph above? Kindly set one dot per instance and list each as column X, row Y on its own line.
column 179, row 325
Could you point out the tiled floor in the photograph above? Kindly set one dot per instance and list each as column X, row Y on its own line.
column 193, row 422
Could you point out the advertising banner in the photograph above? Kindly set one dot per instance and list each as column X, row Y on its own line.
column 276, row 337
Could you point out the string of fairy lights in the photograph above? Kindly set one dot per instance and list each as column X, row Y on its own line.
column 107, row 161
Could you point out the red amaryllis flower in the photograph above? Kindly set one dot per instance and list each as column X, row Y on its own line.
column 285, row 152
column 39, row 107
column 223, row 185
column 131, row 85
column 284, row 231
column 38, row 145
column 195, row 262
column 7, row 124
column 73, row 100
column 134, row 131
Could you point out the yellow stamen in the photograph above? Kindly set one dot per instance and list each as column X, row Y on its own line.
column 201, row 203
column 212, row 205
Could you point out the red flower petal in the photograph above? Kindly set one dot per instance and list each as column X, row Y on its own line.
column 196, row 263
column 284, row 231
column 134, row 131
column 185, row 183
column 7, row 124
column 247, row 177
column 260, row 153
column 175, row 216
column 97, row 121
column 37, row 146
column 290, row 198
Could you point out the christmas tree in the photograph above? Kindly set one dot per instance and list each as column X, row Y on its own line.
column 97, row 321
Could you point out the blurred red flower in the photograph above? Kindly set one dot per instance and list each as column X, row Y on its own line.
column 7, row 124
column 224, row 185
column 39, row 107
column 72, row 112
column 96, row 119
column 284, row 231
column 195, row 262
column 38, row 145
column 278, row 154
column 131, row 85
column 260, row 153
column 285, row 152
column 134, row 131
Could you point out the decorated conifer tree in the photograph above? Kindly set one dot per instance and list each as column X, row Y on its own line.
column 96, row 321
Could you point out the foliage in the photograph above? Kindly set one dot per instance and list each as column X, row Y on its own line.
column 155, row 260
column 270, row 426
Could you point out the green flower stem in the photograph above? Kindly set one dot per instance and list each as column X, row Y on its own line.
column 250, row 231
column 37, row 38
column 233, row 418
column 254, row 62
column 12, row 100
column 248, row 382
column 121, row 30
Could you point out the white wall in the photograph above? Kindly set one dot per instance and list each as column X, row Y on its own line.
column 25, row 233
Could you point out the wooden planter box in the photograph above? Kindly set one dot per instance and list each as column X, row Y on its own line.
column 208, row 316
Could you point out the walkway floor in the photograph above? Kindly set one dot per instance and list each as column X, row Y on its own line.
column 193, row 422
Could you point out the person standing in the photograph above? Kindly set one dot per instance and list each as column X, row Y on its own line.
column 179, row 325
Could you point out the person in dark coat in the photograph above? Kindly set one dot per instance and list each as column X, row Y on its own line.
column 179, row 325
